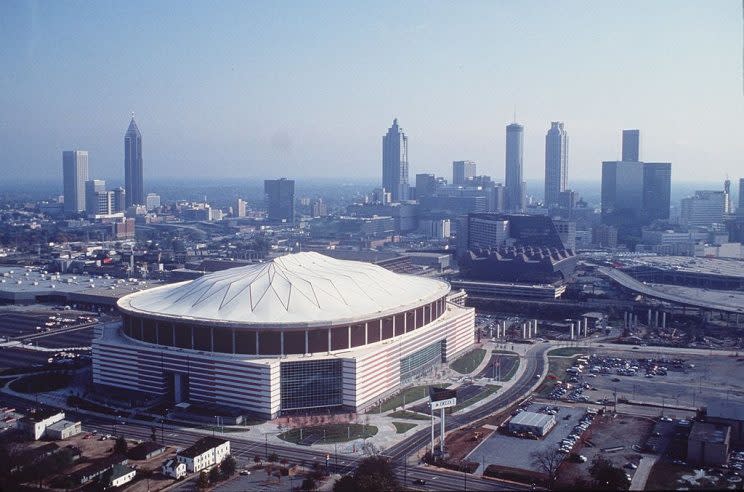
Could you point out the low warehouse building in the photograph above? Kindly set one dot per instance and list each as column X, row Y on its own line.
column 708, row 444
column 729, row 413
column 535, row 423
column 63, row 429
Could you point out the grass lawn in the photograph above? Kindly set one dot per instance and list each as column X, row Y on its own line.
column 409, row 395
column 488, row 390
column 332, row 432
column 568, row 352
column 402, row 427
column 40, row 383
column 468, row 362
column 556, row 372
column 405, row 414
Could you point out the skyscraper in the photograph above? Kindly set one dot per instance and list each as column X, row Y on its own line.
column 631, row 145
column 461, row 171
column 727, row 191
column 74, row 176
column 515, row 192
column 556, row 162
column 92, row 187
column 657, row 188
column 280, row 199
column 740, row 210
column 133, row 179
column 426, row 185
column 120, row 200
column 395, row 163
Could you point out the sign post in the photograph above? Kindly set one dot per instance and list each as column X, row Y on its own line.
column 439, row 399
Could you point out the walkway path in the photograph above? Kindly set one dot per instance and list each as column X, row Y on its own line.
column 640, row 477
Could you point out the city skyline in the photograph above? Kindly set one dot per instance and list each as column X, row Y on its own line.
column 249, row 122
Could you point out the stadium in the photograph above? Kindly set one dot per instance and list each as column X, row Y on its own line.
column 301, row 332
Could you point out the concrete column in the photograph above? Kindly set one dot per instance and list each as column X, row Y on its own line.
column 656, row 319
column 625, row 319
column 649, row 318
column 329, row 340
column 307, row 345
column 524, row 331
column 586, row 326
column 281, row 342
column 572, row 331
column 349, row 336
column 663, row 319
column 535, row 327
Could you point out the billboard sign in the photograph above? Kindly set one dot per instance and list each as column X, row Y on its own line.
column 449, row 402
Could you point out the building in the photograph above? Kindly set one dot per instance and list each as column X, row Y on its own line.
column 146, row 450
column 631, row 145
column 556, row 163
column 657, row 188
column 92, row 187
column 133, row 172
column 538, row 424
column 395, row 163
column 516, row 200
column 120, row 475
column 704, row 208
column 174, row 469
column 728, row 207
column 74, row 176
column 462, row 171
column 120, row 200
column 635, row 193
column 239, row 208
column 152, row 201
column 124, row 228
column 204, row 453
column 567, row 232
column 513, row 248
column 426, row 185
column 308, row 331
column 730, row 413
column 35, row 424
column 280, row 200
column 740, row 208
column 435, row 228
column 318, row 208
column 708, row 444
column 63, row 429
column 604, row 236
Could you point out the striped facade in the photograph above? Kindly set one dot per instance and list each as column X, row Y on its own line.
column 369, row 372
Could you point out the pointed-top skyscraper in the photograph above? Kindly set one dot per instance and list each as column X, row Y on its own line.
column 133, row 180
column 395, row 163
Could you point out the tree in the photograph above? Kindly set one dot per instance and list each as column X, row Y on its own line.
column 214, row 475
column 120, row 446
column 228, row 466
column 608, row 476
column 345, row 484
column 153, row 433
column 203, row 481
column 257, row 459
column 273, row 457
column 547, row 460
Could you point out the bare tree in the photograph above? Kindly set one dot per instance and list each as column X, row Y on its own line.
column 547, row 460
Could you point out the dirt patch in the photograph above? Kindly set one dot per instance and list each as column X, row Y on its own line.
column 612, row 437
column 461, row 442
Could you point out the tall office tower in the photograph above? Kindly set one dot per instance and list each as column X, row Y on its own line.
column 740, row 210
column 515, row 189
column 280, row 199
column 74, row 176
column 657, row 189
column 120, row 200
column 556, row 162
column 239, row 207
column 92, row 187
column 104, row 203
column 727, row 193
column 631, row 145
column 462, row 171
column 426, row 185
column 395, row 163
column 133, row 179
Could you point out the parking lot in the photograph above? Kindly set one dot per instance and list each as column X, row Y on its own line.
column 514, row 452
column 652, row 378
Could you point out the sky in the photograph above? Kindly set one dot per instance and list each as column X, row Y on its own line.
column 307, row 89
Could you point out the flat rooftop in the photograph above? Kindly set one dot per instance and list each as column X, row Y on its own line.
column 730, row 410
column 687, row 264
column 532, row 418
column 24, row 284
column 711, row 433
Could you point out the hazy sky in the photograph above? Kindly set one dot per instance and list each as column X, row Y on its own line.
column 299, row 88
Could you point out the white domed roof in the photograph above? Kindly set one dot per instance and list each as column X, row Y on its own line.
column 297, row 289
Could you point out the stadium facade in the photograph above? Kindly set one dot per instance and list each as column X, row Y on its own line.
column 304, row 331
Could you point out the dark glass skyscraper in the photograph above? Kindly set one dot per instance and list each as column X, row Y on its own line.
column 395, row 163
column 556, row 163
column 462, row 171
column 133, row 179
column 74, row 174
column 515, row 192
column 631, row 145
column 280, row 199
column 657, row 187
